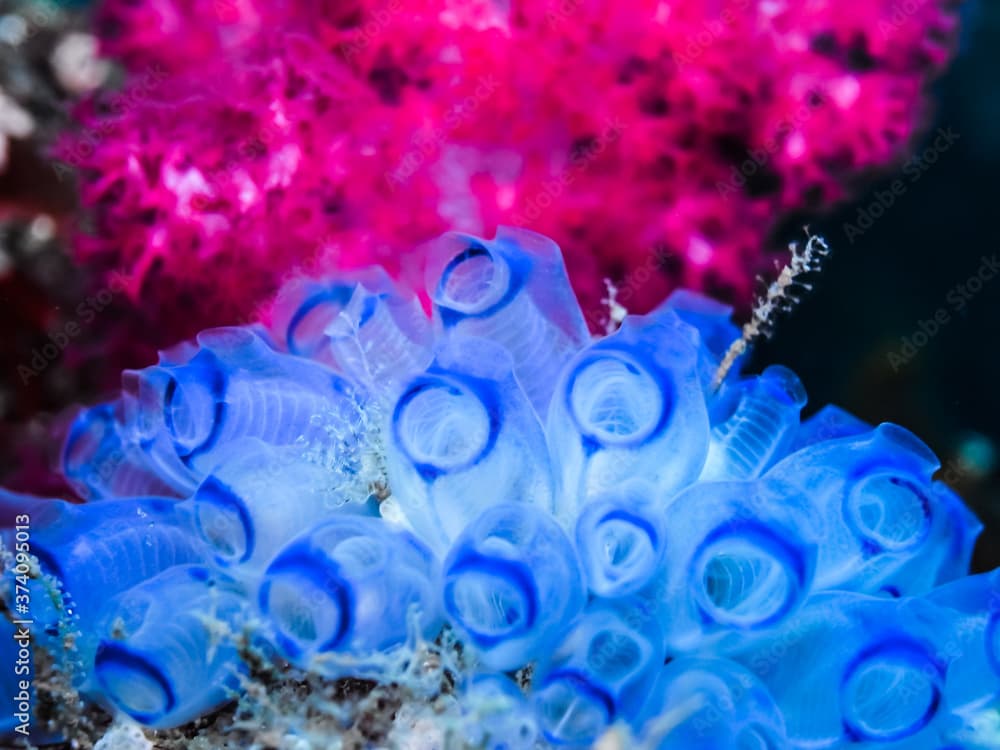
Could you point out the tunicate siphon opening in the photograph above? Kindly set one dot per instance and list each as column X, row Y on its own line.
column 619, row 551
column 492, row 599
column 888, row 512
column 133, row 682
column 442, row 425
column 614, row 400
column 473, row 281
column 890, row 691
column 571, row 711
column 310, row 611
column 222, row 521
column 747, row 578
column 190, row 410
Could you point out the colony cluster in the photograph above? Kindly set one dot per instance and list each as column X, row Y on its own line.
column 690, row 562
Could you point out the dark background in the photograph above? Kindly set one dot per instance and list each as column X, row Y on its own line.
column 877, row 289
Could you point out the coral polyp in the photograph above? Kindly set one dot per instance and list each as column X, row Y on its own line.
column 589, row 536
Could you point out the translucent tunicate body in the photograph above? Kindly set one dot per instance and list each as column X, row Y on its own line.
column 630, row 405
column 851, row 668
column 303, row 309
column 190, row 416
column 499, row 716
column 885, row 524
column 716, row 330
column 512, row 585
column 360, row 324
column 168, row 652
column 530, row 538
column 94, row 552
column 98, row 464
column 254, row 504
column 739, row 558
column 760, row 427
column 973, row 677
column 512, row 290
column 621, row 540
column 829, row 423
column 602, row 672
column 381, row 340
column 348, row 586
column 463, row 438
column 711, row 704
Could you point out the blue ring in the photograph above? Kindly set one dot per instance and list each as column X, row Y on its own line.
column 514, row 570
column 911, row 650
column 482, row 390
column 762, row 536
column 110, row 650
column 636, row 363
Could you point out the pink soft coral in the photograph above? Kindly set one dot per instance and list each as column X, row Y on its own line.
column 659, row 143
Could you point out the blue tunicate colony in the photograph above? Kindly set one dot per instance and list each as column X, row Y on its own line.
column 694, row 563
